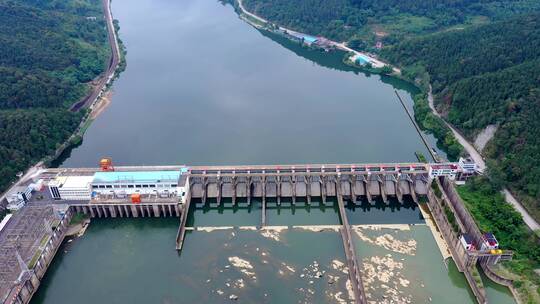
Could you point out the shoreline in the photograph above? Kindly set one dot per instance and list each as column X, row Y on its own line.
column 96, row 107
column 102, row 104
column 376, row 63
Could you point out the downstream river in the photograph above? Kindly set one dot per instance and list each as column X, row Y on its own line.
column 203, row 87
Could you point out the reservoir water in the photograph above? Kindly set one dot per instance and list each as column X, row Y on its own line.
column 203, row 87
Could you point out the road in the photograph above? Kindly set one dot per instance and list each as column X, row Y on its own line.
column 339, row 45
column 477, row 157
column 105, row 79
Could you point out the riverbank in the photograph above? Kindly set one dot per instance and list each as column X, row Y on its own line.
column 99, row 97
column 92, row 104
column 466, row 144
column 492, row 213
column 375, row 65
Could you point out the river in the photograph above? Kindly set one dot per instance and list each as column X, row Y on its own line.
column 203, row 87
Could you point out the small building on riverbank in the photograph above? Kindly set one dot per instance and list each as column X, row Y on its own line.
column 18, row 197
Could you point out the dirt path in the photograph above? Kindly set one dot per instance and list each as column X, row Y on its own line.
column 477, row 157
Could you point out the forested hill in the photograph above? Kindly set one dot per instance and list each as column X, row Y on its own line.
column 385, row 20
column 458, row 54
column 50, row 50
column 484, row 75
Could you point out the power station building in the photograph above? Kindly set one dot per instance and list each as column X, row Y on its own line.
column 121, row 184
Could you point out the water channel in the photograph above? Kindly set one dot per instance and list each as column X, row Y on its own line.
column 204, row 87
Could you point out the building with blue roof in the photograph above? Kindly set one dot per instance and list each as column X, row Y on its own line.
column 136, row 176
column 309, row 39
column 123, row 183
column 362, row 60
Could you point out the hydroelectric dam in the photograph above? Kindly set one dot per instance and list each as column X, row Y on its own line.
column 47, row 200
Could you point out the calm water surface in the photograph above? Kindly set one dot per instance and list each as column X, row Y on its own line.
column 203, row 87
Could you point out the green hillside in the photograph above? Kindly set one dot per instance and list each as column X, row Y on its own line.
column 483, row 75
column 50, row 51
column 386, row 20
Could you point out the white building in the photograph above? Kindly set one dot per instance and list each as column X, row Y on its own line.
column 121, row 184
column 71, row 187
column 468, row 165
column 18, row 196
column 489, row 242
column 467, row 168
column 467, row 242
column 449, row 170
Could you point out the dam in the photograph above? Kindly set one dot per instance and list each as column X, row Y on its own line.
column 168, row 191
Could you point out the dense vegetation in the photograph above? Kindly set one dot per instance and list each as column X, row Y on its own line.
column 50, row 51
column 485, row 75
column 493, row 214
column 28, row 135
column 387, row 20
column 516, row 151
column 455, row 55
column 428, row 121
column 332, row 18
